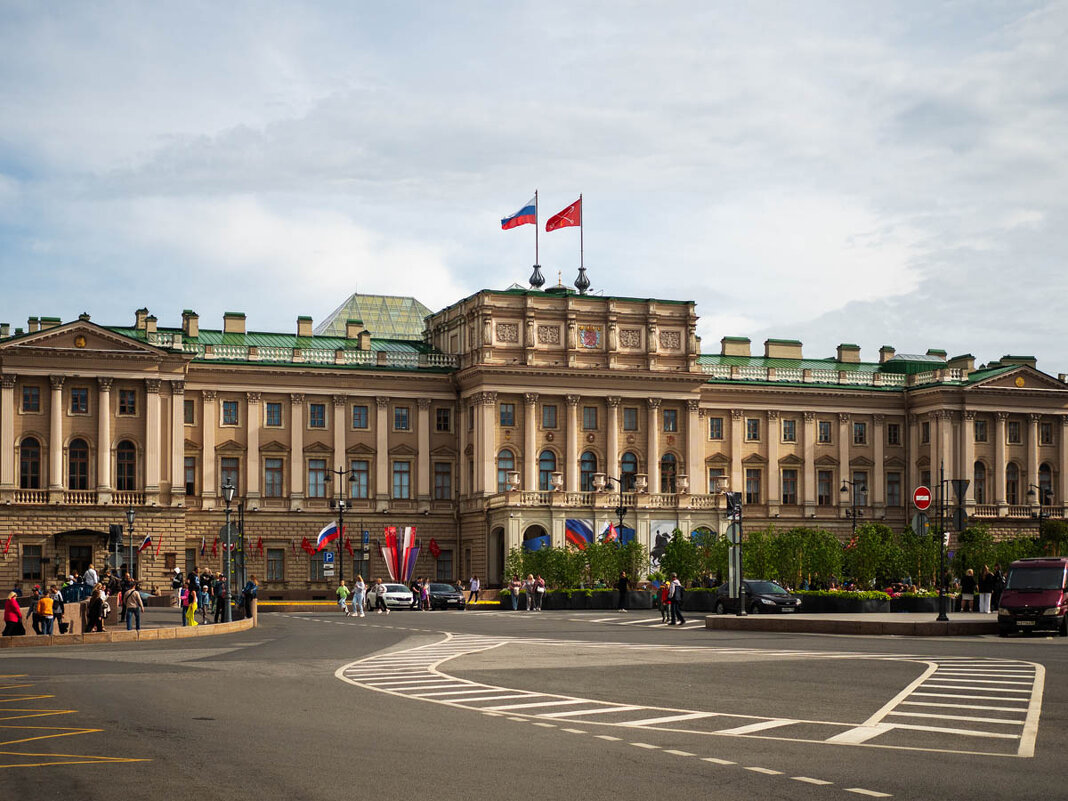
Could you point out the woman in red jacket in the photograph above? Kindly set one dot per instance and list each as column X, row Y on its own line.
column 13, row 617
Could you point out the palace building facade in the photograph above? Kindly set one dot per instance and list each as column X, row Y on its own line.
column 507, row 418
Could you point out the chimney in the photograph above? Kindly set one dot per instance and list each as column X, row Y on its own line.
column 304, row 327
column 150, row 324
column 886, row 353
column 965, row 362
column 190, row 324
column 353, row 328
column 32, row 325
column 734, row 346
column 5, row 330
column 364, row 339
column 139, row 319
column 849, row 353
column 233, row 322
column 50, row 322
column 782, row 349
column 937, row 352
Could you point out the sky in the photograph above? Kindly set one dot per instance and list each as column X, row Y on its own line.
column 889, row 173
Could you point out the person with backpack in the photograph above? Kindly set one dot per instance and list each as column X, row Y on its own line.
column 676, row 594
column 176, row 585
column 134, row 604
column 248, row 594
column 222, row 597
column 58, row 609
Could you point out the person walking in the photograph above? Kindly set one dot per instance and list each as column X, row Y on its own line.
column 58, row 610
column 343, row 597
column 514, row 587
column 529, row 586
column 222, row 597
column 967, row 591
column 134, row 605
column 94, row 613
column 31, row 610
column 45, row 618
column 473, row 587
column 424, row 594
column 248, row 594
column 676, row 601
column 665, row 601
column 190, row 601
column 539, row 592
column 13, row 626
column 986, row 590
column 380, row 597
column 623, row 586
column 90, row 578
column 359, row 596
column 999, row 585
column 204, row 601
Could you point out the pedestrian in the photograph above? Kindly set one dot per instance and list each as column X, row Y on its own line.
column 424, row 594
column 539, row 592
column 380, row 597
column 967, row 591
column 359, row 595
column 248, row 594
column 31, row 610
column 177, row 584
column 58, row 610
column 45, row 618
column 204, row 600
column 414, row 587
column 191, row 601
column 515, row 586
column 623, row 586
column 986, row 590
column 999, row 585
column 13, row 626
column 665, row 601
column 90, row 577
column 222, row 597
column 529, row 586
column 95, row 613
column 473, row 586
column 134, row 604
column 676, row 594
column 343, row 597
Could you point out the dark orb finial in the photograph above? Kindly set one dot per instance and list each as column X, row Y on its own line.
column 537, row 280
column 582, row 283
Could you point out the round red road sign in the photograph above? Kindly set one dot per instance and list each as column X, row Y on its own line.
column 921, row 498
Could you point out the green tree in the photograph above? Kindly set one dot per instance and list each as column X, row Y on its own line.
column 758, row 555
column 681, row 556
column 919, row 557
column 975, row 549
column 1054, row 536
column 872, row 557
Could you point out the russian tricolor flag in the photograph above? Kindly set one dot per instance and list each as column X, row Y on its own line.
column 326, row 536
column 528, row 215
column 578, row 533
column 147, row 541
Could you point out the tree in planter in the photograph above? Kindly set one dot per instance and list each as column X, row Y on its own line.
column 872, row 557
column 919, row 557
column 1054, row 536
column 758, row 555
column 1009, row 550
column 801, row 553
column 681, row 556
column 634, row 558
column 714, row 555
column 975, row 549
column 603, row 562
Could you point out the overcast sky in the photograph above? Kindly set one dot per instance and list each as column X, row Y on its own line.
column 877, row 173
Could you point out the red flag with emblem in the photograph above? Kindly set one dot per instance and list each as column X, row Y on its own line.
column 8, row 543
column 259, row 545
column 570, row 216
column 307, row 546
column 348, row 547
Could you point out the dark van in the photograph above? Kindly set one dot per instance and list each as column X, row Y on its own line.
column 1035, row 598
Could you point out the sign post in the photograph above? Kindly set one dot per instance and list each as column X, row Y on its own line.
column 921, row 498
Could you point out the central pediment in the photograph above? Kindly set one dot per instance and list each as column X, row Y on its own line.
column 79, row 339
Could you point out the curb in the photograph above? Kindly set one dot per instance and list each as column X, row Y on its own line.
column 121, row 635
column 784, row 625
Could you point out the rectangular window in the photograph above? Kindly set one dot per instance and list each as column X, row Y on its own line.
column 1014, row 432
column 752, row 429
column 229, row 413
column 273, row 478
column 589, row 418
column 31, row 399
column 980, row 430
column 443, row 419
column 444, row 569
column 789, row 486
column 671, row 420
column 752, row 486
column 360, row 485
column 272, row 415
column 315, row 568
column 548, row 415
column 630, row 418
column 79, row 400
column 190, row 560
column 507, row 414
column 190, row 475
column 276, row 564
column 400, row 418
column 317, row 478
column 925, row 478
column 789, row 431
column 713, row 474
column 230, row 470
column 1045, row 433
column 31, row 563
column 442, row 481
column 860, row 433
column 189, row 410
column 359, row 417
column 823, row 432
column 893, row 489
column 925, row 432
column 316, row 415
column 127, row 401
column 402, row 480
column 715, row 428
column 860, row 488
column 893, row 434
column 824, row 487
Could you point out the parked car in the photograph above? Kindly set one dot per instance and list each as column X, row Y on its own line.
column 760, row 597
column 442, row 596
column 1035, row 597
column 397, row 596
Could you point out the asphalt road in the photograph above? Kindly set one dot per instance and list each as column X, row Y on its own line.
column 467, row 705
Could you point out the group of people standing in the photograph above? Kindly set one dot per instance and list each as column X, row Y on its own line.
column 47, row 607
column 533, row 586
column 209, row 592
column 671, row 594
column 989, row 586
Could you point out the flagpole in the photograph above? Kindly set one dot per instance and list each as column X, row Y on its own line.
column 582, row 214
column 536, row 226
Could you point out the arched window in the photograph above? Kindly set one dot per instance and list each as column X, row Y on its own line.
column 78, row 465
column 587, row 467
column 1012, row 484
column 668, row 470
column 628, row 468
column 979, row 481
column 126, row 466
column 1045, row 484
column 546, row 468
column 30, row 464
column 505, row 465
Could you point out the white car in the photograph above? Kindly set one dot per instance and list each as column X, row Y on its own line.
column 397, row 596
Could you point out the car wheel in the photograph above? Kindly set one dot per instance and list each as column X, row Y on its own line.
column 754, row 609
column 721, row 608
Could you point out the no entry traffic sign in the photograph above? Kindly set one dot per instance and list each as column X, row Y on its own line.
column 921, row 498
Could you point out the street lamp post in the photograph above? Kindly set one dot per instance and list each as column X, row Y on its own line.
column 228, row 490
column 130, row 515
column 341, row 474
column 854, row 512
column 734, row 517
column 1045, row 497
column 621, row 510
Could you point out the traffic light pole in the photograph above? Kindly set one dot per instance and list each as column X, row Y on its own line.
column 942, row 616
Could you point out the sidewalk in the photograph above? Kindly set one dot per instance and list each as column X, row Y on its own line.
column 915, row 624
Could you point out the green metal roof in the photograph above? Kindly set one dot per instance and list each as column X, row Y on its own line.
column 796, row 364
column 264, row 339
column 385, row 316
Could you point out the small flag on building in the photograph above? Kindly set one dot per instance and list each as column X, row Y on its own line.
column 145, row 543
column 8, row 543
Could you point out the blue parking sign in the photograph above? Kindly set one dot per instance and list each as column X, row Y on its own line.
column 328, row 557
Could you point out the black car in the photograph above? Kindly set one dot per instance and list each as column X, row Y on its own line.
column 761, row 597
column 442, row 596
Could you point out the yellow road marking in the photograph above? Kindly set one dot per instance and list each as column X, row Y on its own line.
column 36, row 713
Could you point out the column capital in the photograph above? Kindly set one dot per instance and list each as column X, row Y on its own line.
column 693, row 405
column 573, row 400
column 57, row 381
column 614, row 401
column 1002, row 416
column 422, row 403
column 7, row 380
column 530, row 398
column 209, row 395
column 878, row 419
column 177, row 387
column 653, row 403
column 381, row 402
column 773, row 414
column 737, row 414
column 968, row 415
column 104, row 383
column 152, row 385
column 1034, row 417
column 296, row 398
column 339, row 400
column 809, row 416
column 844, row 417
column 489, row 399
column 1064, row 419
column 253, row 398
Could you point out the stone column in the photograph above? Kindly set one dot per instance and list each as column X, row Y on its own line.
column 1032, row 458
column 488, row 454
column 945, row 443
column 912, row 475
column 463, row 443
column 1000, row 462
column 7, row 435
column 774, row 479
column 878, row 476
column 694, row 452
column 530, row 442
column 253, row 470
column 737, row 440
column 177, row 443
column 296, row 450
column 571, row 476
column 382, row 483
column 153, row 452
column 809, row 445
column 103, row 440
column 1062, row 451
column 845, row 440
column 209, row 419
column 477, row 443
column 653, row 456
column 55, row 440
column 967, row 449
column 423, row 433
